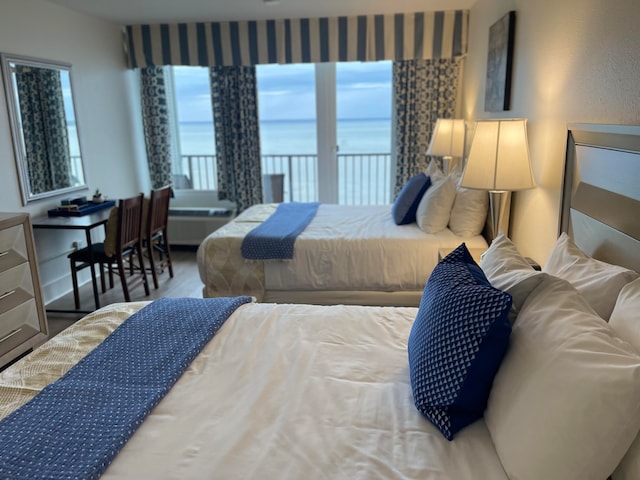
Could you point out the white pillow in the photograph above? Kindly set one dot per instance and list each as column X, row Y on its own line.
column 433, row 211
column 625, row 320
column 469, row 212
column 599, row 282
column 565, row 403
column 507, row 270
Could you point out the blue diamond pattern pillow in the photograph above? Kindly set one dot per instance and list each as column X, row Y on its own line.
column 457, row 341
column 405, row 207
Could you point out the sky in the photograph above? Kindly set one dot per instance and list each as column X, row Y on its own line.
column 287, row 92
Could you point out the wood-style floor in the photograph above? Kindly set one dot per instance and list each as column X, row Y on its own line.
column 185, row 283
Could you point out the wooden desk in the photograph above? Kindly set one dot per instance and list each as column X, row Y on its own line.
column 86, row 223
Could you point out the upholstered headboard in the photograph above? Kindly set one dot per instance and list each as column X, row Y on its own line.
column 600, row 206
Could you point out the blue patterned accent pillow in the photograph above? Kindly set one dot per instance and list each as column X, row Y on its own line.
column 457, row 341
column 405, row 206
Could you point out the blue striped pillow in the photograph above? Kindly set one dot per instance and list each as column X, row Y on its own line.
column 457, row 342
column 406, row 204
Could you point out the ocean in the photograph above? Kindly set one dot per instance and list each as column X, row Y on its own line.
column 290, row 137
column 363, row 179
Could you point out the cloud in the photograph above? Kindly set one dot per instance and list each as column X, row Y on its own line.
column 287, row 92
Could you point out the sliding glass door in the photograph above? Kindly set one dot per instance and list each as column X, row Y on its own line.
column 288, row 129
column 363, row 122
column 327, row 129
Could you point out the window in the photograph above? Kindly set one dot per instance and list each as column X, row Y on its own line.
column 363, row 107
column 196, row 146
column 326, row 128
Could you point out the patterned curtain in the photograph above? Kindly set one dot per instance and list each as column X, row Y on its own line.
column 156, row 123
column 424, row 90
column 235, row 118
column 44, row 126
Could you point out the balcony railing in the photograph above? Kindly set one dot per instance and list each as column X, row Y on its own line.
column 363, row 178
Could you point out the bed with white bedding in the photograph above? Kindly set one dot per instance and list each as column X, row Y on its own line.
column 282, row 391
column 301, row 391
column 346, row 255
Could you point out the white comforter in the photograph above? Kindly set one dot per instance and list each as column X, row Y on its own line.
column 281, row 392
column 359, row 247
column 345, row 248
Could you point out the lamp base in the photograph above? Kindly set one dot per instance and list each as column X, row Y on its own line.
column 500, row 209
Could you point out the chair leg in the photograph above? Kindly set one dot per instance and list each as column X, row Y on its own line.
column 154, row 274
column 143, row 272
column 123, row 280
column 167, row 251
column 102, row 281
column 74, row 279
column 110, row 267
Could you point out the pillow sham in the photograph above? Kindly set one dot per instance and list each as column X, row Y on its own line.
column 599, row 282
column 625, row 318
column 457, row 341
column 404, row 207
column 565, row 403
column 434, row 208
column 469, row 212
column 626, row 322
column 506, row 269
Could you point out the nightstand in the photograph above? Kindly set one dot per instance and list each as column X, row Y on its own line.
column 475, row 253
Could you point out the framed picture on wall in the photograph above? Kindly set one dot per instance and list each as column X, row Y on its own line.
column 497, row 97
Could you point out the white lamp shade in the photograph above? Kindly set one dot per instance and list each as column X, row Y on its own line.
column 448, row 138
column 499, row 157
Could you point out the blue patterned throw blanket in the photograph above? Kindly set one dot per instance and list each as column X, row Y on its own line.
column 275, row 237
column 76, row 426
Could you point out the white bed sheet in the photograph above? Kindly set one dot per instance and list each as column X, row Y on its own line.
column 289, row 392
column 359, row 247
column 352, row 267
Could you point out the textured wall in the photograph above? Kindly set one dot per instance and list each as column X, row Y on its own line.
column 103, row 90
column 575, row 61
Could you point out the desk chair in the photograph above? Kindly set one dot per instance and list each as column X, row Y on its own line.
column 122, row 242
column 155, row 234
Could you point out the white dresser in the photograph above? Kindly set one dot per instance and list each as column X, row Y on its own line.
column 23, row 321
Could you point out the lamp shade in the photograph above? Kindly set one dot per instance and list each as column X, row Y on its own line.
column 499, row 157
column 448, row 138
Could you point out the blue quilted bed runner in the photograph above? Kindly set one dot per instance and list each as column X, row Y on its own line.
column 76, row 426
column 274, row 238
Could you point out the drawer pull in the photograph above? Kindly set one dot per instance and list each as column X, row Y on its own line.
column 6, row 294
column 10, row 334
column 2, row 254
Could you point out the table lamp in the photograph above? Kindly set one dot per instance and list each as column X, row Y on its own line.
column 447, row 140
column 499, row 162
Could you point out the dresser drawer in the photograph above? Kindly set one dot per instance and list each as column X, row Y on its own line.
column 18, row 325
column 13, row 247
column 23, row 321
column 16, row 287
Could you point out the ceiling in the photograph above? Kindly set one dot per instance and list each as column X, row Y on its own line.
column 127, row 12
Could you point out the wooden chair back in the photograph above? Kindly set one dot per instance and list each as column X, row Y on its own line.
column 129, row 223
column 158, row 213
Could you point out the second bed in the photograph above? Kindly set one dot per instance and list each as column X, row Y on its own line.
column 348, row 254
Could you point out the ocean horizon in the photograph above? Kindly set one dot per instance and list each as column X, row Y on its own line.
column 359, row 181
column 291, row 137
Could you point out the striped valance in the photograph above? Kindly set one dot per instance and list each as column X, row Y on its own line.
column 400, row 36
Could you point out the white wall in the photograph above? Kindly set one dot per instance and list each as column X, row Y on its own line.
column 105, row 95
column 575, row 61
